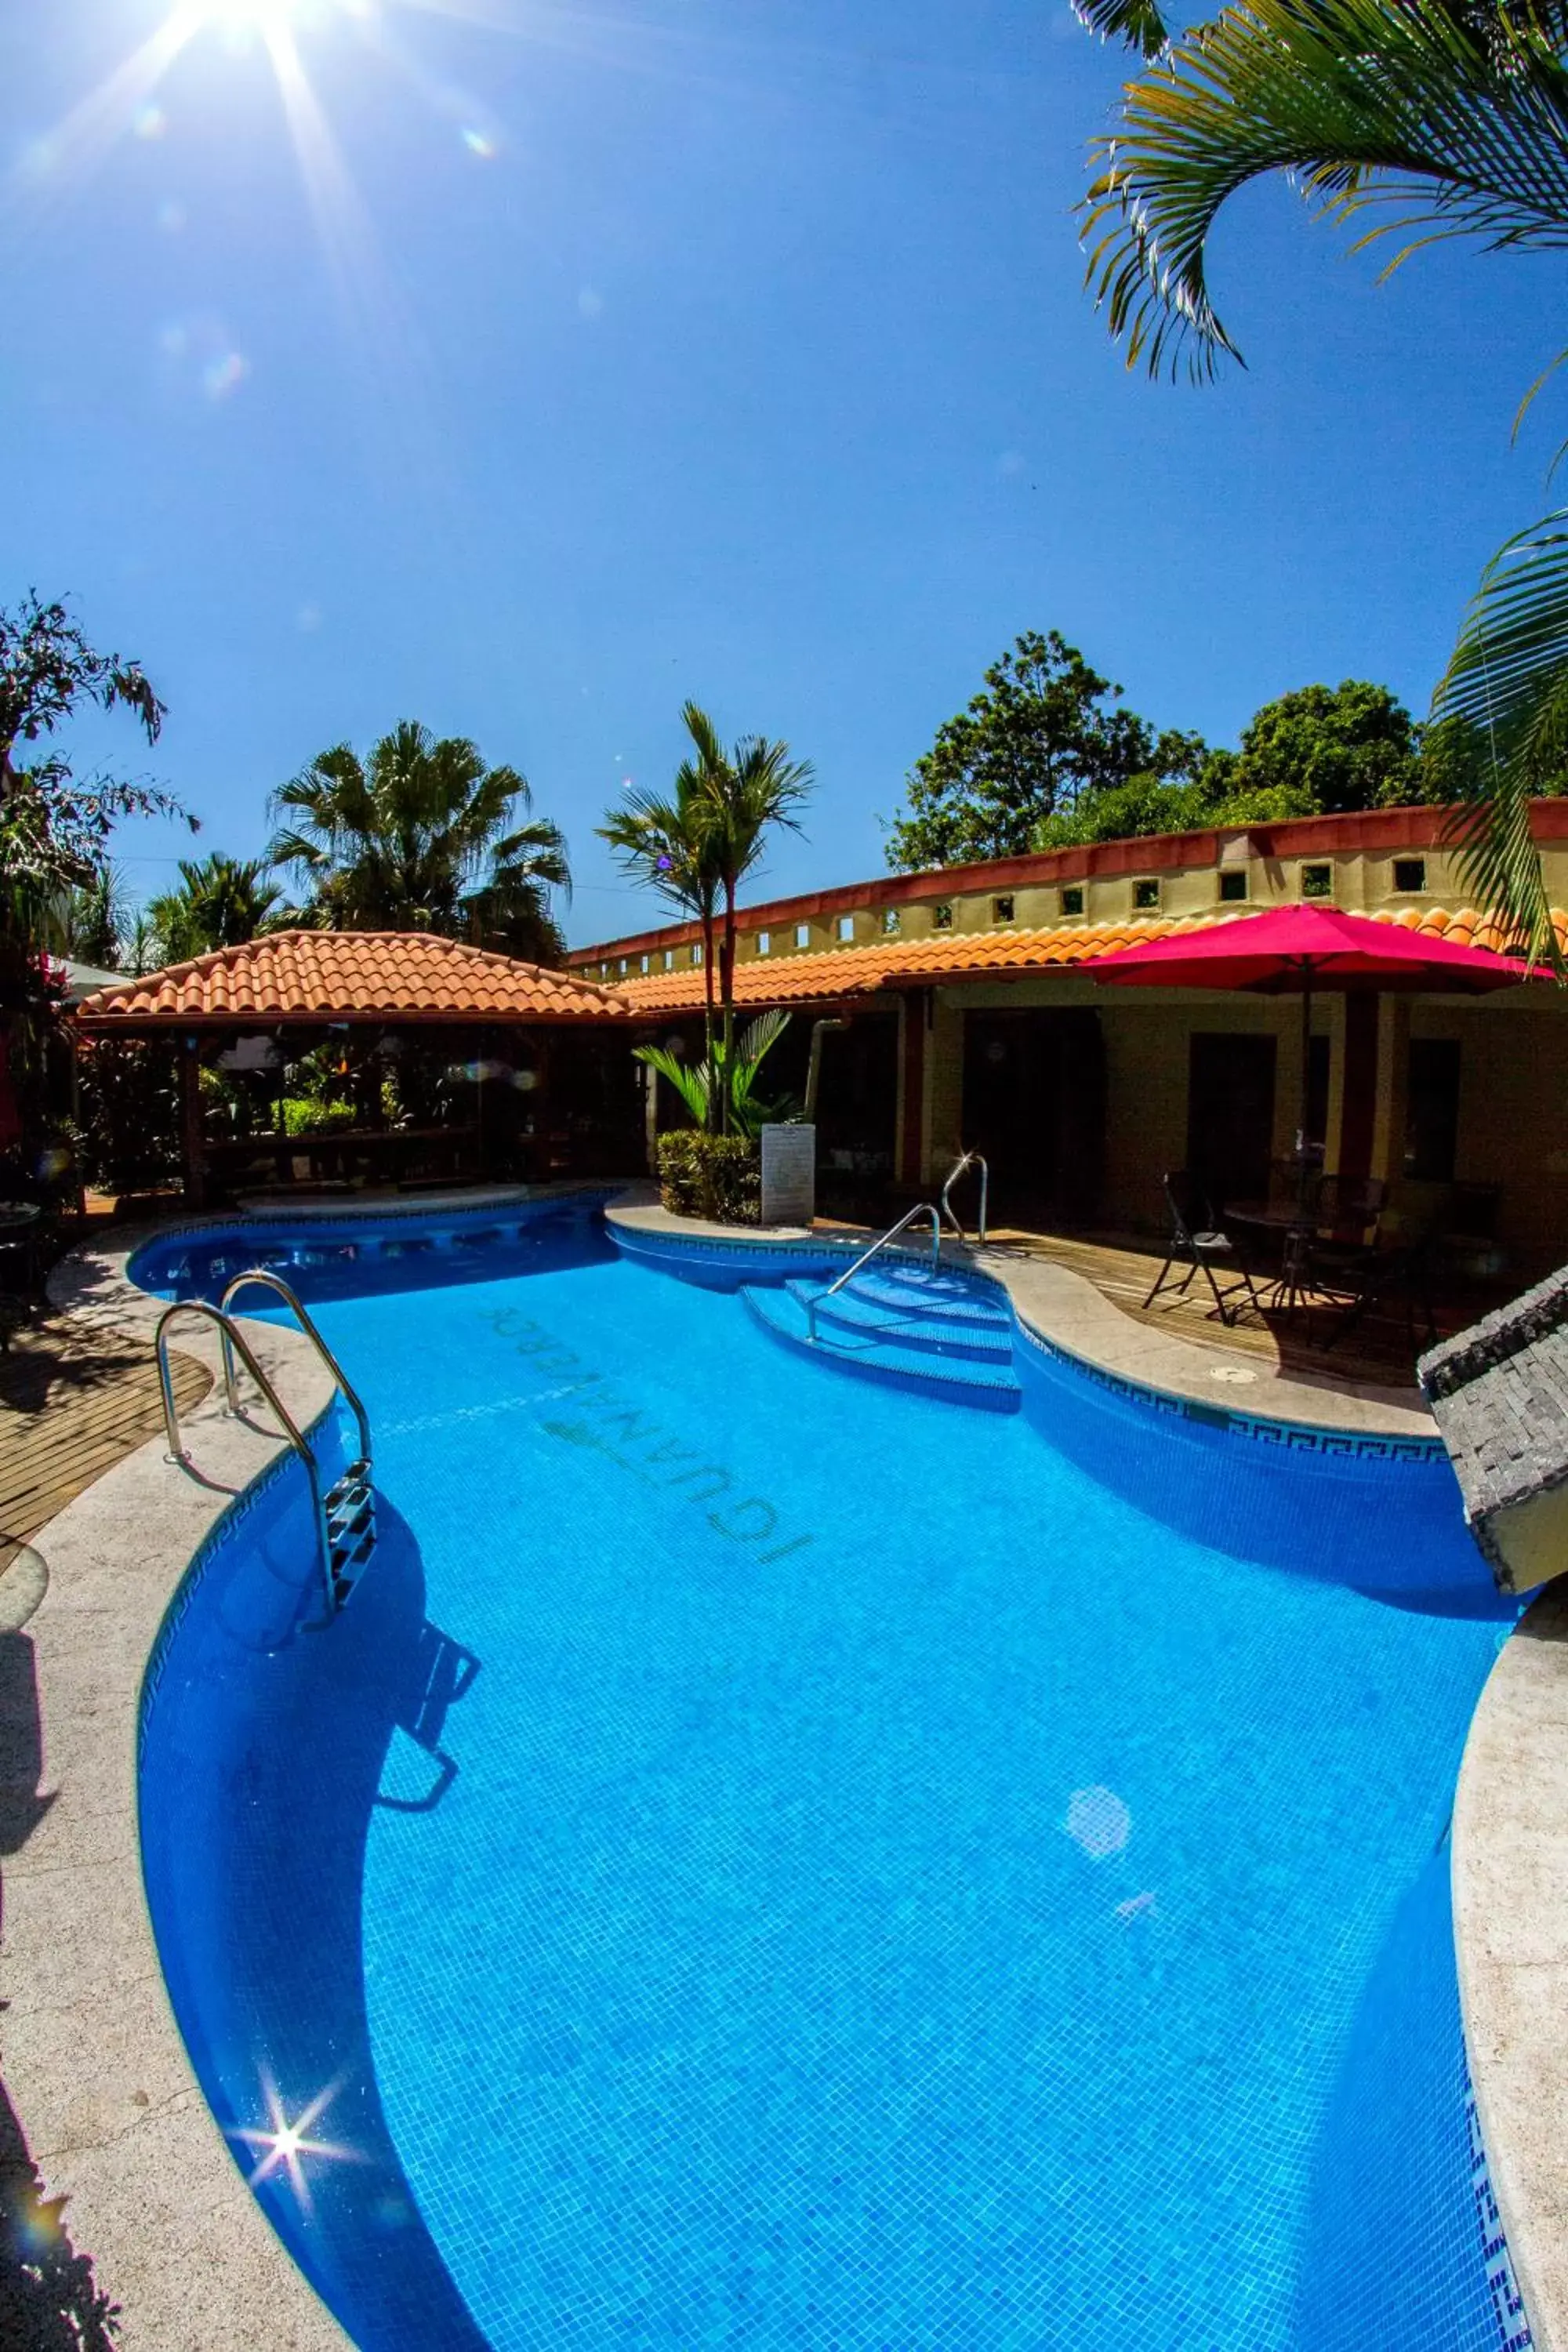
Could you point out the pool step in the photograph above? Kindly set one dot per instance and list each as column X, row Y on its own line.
column 907, row 1318
column 349, row 1506
column 857, row 1347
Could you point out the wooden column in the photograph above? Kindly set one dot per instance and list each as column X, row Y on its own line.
column 912, row 1086
column 193, row 1142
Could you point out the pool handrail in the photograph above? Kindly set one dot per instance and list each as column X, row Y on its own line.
column 261, row 1278
column 965, row 1161
column 921, row 1209
column 234, row 1342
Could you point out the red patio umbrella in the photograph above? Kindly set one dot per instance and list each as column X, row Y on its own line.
column 1295, row 951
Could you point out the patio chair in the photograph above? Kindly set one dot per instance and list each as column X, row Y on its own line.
column 1349, row 1208
column 1198, row 1243
column 1364, row 1279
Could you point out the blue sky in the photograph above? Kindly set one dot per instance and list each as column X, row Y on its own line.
column 667, row 348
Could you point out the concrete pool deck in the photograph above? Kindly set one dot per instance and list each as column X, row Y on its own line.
column 89, row 2052
column 92, row 2061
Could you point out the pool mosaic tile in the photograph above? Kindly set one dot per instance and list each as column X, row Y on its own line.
column 872, row 1884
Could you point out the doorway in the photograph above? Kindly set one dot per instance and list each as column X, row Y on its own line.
column 1230, row 1113
column 1033, row 1103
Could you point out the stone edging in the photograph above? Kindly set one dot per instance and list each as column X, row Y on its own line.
column 1509, row 1872
column 92, row 2059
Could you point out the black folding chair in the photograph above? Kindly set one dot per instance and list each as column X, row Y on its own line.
column 1199, row 1242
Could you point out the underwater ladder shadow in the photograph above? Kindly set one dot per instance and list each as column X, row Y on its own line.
column 263, row 1760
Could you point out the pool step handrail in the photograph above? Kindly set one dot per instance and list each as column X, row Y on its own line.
column 262, row 1277
column 921, row 1209
column 964, row 1161
column 235, row 1343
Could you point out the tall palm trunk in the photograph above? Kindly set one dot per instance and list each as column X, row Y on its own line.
column 708, row 1010
column 727, row 997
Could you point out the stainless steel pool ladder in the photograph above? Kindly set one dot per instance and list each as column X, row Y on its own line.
column 345, row 1513
column 966, row 1160
column 921, row 1209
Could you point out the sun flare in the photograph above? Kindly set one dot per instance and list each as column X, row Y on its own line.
column 260, row 16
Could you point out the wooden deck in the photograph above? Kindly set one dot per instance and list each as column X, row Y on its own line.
column 1378, row 1350
column 71, row 1406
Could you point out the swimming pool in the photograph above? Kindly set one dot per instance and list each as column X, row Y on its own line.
column 763, row 1860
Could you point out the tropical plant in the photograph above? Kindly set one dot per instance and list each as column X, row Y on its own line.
column 714, row 1176
column 1428, row 119
column 671, row 844
column 221, row 902
column 749, row 789
column 423, row 836
column 89, row 923
column 1044, row 732
column 726, row 1076
column 54, row 827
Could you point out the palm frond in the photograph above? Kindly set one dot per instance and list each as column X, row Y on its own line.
column 1448, row 120
column 1504, row 694
column 693, row 1085
column 1138, row 24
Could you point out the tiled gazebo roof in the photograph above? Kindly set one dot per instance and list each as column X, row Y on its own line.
column 311, row 977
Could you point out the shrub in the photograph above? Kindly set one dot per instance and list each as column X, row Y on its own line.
column 305, row 1114
column 714, row 1176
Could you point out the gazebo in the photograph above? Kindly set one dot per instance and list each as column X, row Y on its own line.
column 525, row 1070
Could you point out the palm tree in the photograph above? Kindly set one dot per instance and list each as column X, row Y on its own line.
column 1425, row 119
column 748, row 791
column 421, row 837
column 88, row 923
column 671, row 844
column 221, row 902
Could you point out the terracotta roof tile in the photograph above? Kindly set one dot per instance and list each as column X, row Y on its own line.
column 837, row 972
column 389, row 976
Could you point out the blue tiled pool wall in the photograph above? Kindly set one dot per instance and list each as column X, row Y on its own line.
column 263, row 1748
column 1404, row 2244
column 1383, row 1516
column 1379, row 1513
column 330, row 1256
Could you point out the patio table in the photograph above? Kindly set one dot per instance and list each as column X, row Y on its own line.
column 1297, row 1229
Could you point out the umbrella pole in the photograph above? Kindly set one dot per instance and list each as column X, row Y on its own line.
column 1306, row 1095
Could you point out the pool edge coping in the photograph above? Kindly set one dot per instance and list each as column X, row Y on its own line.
column 1510, row 1890
column 114, row 2117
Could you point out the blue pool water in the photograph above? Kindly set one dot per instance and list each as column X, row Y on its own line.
column 766, row 1861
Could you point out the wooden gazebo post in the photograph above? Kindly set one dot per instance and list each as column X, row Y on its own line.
column 193, row 1142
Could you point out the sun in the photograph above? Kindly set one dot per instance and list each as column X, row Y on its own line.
column 258, row 15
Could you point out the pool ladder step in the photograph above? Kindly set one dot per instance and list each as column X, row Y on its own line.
column 346, row 1512
column 349, row 1509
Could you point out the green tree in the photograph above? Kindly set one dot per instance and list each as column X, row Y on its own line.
column 54, row 826
column 89, row 923
column 1428, row 119
column 1323, row 749
column 748, row 790
column 1044, row 731
column 423, row 836
column 221, row 902
column 671, row 844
